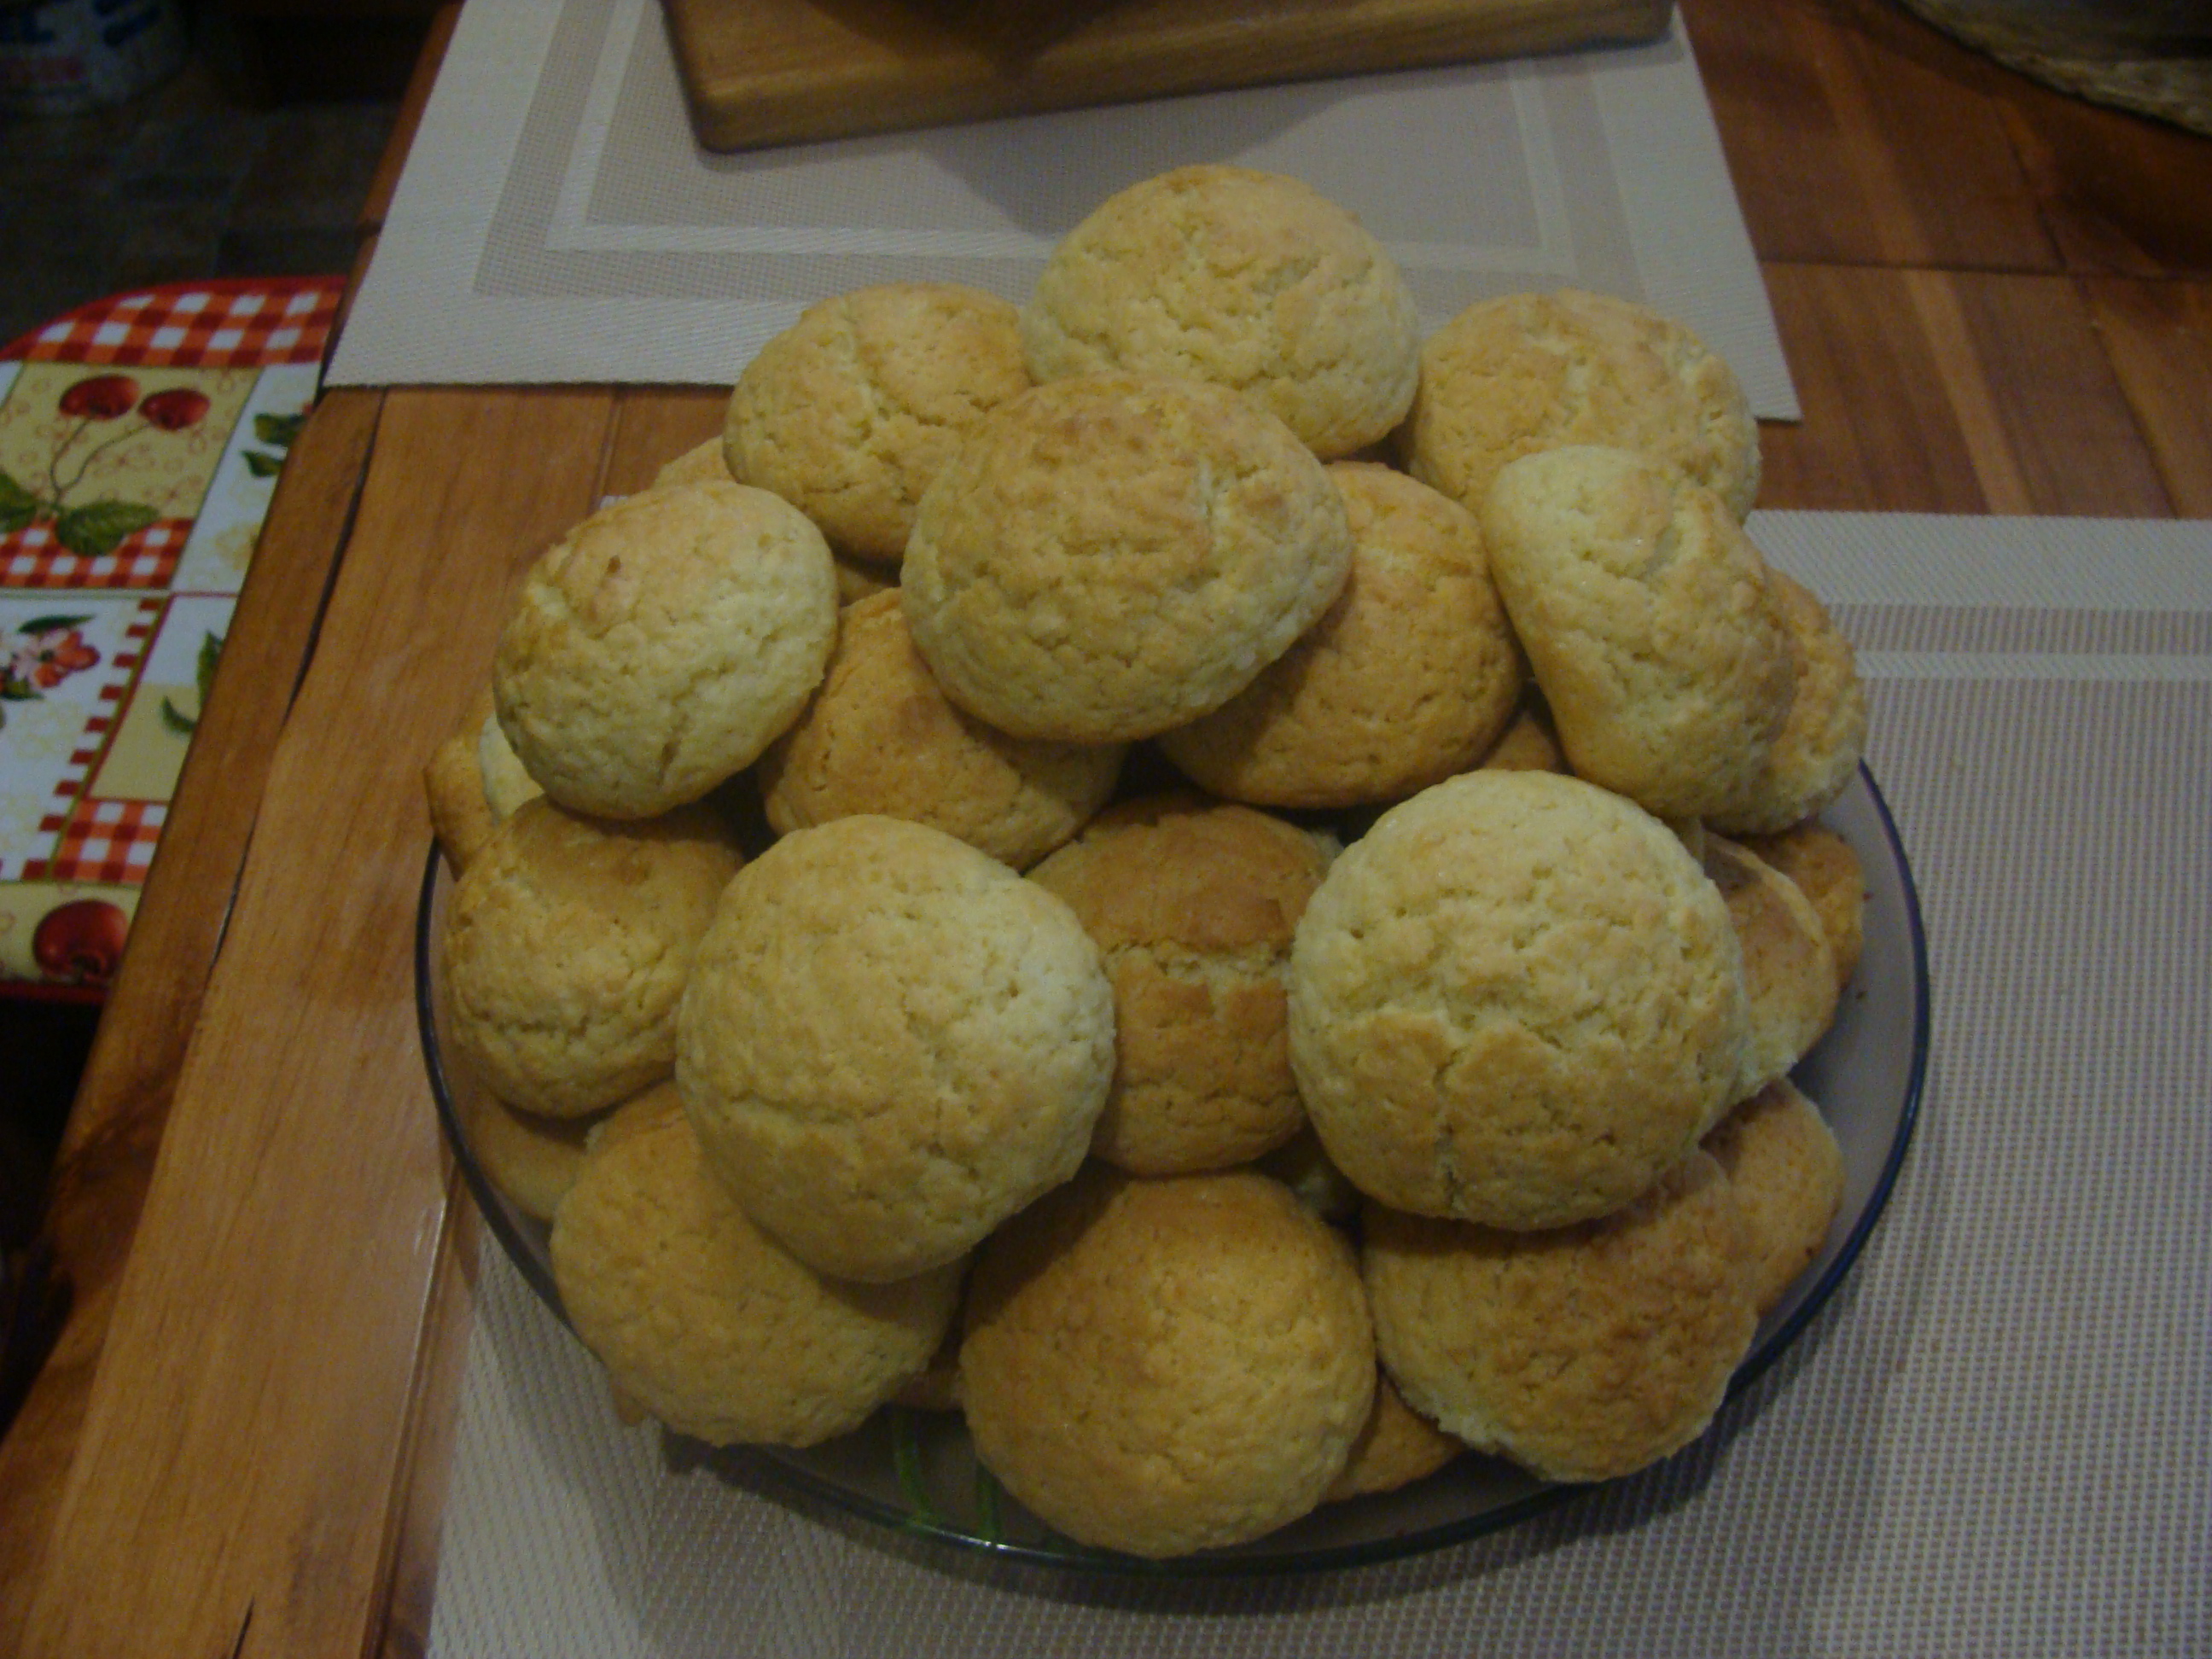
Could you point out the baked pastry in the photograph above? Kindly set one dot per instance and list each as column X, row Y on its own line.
column 1648, row 623
column 1410, row 676
column 473, row 782
column 1109, row 556
column 529, row 1159
column 1162, row 1366
column 710, row 1326
column 1398, row 1447
column 1247, row 279
column 1516, row 1000
column 1789, row 971
column 1530, row 371
column 661, row 645
column 1529, row 742
column 852, row 410
column 703, row 463
column 1581, row 1352
column 1826, row 871
column 567, row 943
column 1788, row 1172
column 1823, row 739
column 879, row 736
column 1303, row 1164
column 1192, row 905
column 890, row 1042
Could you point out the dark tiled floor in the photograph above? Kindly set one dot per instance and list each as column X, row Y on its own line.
column 190, row 179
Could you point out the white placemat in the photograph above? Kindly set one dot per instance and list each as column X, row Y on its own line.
column 1993, row 1441
column 556, row 221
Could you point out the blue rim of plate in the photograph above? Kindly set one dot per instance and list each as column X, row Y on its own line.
column 804, row 1484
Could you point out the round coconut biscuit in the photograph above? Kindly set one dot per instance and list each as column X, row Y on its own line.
column 880, row 737
column 890, row 1042
column 1516, row 1000
column 1788, row 1172
column 1113, row 555
column 1398, row 1447
column 1788, row 970
column 461, row 812
column 1248, row 280
column 1824, row 737
column 1167, row 1366
column 567, row 943
column 1192, row 905
column 1410, row 676
column 1530, row 371
column 852, row 410
column 1648, row 624
column 1582, row 1353
column 707, row 1323
column 1826, row 871
column 661, row 645
column 529, row 1160
column 857, row 581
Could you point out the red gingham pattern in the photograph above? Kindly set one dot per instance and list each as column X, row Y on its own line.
column 31, row 557
column 232, row 323
column 109, row 841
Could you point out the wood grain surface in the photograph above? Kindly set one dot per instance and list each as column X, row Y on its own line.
column 1993, row 299
column 779, row 72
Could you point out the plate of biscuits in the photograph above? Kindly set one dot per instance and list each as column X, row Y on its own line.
column 1174, row 929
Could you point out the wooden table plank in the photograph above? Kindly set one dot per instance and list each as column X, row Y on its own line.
column 1935, row 391
column 654, row 425
column 240, row 1450
column 106, row 1157
column 1854, row 134
column 2159, row 337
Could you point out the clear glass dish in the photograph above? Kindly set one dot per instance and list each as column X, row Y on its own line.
column 915, row 1472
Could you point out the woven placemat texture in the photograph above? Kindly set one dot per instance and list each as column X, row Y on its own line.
column 1991, row 1442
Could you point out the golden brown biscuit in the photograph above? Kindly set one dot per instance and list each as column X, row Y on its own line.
column 890, row 1042
column 1398, row 1447
column 1581, row 1352
column 1303, row 1164
column 701, row 464
column 1246, row 279
column 1529, row 741
column 530, row 1160
column 1192, row 905
column 567, row 944
column 461, row 816
column 1109, row 556
column 1407, row 678
column 1162, row 1366
column 661, row 645
column 879, row 736
column 1788, row 970
column 707, row 1323
column 851, row 411
column 1530, row 371
column 1647, row 619
column 1516, row 1000
column 856, row 580
column 1826, row 871
column 1788, row 1172
column 1823, row 740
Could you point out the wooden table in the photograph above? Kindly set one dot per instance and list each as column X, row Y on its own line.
column 1994, row 299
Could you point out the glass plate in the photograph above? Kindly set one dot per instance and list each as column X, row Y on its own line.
column 915, row 1472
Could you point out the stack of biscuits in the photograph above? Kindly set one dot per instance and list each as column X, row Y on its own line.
column 1291, row 892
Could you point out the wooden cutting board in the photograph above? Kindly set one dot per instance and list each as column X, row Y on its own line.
column 779, row 71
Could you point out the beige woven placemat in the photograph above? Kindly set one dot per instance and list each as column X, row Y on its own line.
column 1992, row 1442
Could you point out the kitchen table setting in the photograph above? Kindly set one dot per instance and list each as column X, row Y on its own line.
column 310, row 1399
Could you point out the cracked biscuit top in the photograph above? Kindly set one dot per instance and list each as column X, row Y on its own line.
column 890, row 1042
column 664, row 642
column 850, row 412
column 1115, row 555
column 1515, row 1000
column 1530, row 372
column 1247, row 279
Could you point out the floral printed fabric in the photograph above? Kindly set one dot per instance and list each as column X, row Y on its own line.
column 141, row 438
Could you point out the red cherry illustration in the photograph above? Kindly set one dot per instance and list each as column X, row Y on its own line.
column 102, row 397
column 81, row 941
column 176, row 409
